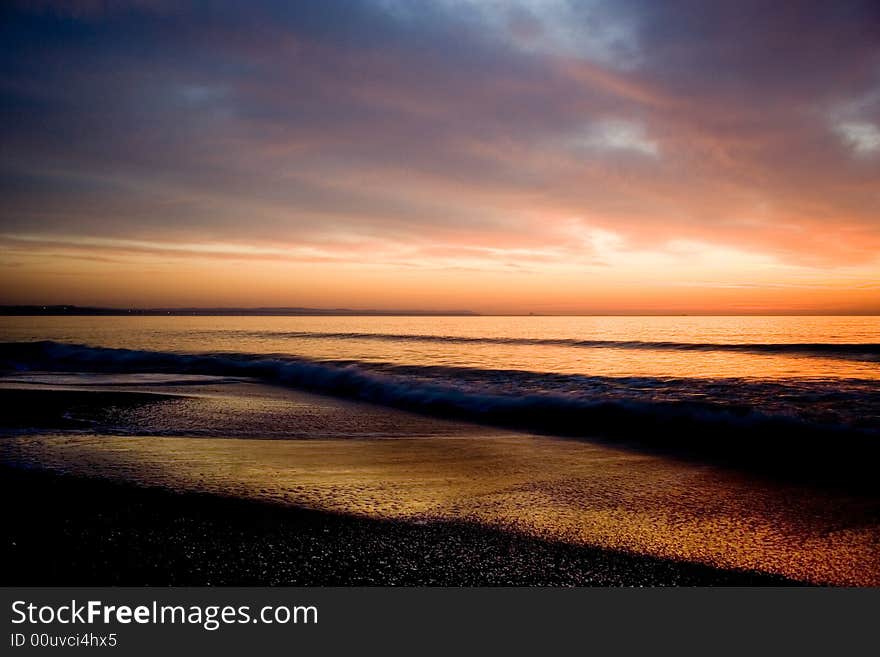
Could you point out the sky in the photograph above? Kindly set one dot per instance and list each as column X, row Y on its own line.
column 541, row 156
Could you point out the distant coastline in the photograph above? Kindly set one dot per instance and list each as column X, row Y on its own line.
column 69, row 310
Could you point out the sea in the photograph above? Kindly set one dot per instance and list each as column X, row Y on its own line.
column 569, row 375
column 741, row 442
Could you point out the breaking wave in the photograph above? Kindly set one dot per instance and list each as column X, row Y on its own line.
column 706, row 415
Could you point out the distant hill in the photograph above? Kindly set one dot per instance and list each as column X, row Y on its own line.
column 85, row 310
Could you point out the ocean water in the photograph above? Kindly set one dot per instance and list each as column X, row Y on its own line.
column 565, row 375
column 740, row 442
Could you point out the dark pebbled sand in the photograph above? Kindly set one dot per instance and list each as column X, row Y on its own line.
column 65, row 530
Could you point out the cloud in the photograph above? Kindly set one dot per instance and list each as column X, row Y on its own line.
column 616, row 135
column 863, row 138
column 590, row 29
column 477, row 128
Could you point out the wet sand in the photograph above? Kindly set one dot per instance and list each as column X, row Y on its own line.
column 69, row 530
column 457, row 478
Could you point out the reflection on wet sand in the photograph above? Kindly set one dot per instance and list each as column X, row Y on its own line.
column 569, row 490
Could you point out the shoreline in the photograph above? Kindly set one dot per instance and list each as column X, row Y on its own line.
column 73, row 530
column 243, row 441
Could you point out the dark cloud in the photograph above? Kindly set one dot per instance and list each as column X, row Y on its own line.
column 460, row 121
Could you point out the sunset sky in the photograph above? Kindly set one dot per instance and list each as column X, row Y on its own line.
column 526, row 156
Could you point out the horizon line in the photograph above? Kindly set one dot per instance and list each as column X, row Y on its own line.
column 30, row 310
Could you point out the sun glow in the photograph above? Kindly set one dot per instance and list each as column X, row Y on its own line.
column 525, row 157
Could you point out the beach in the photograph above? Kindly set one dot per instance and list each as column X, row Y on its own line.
column 256, row 484
column 69, row 531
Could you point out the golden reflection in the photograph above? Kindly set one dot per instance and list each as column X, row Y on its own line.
column 552, row 488
column 301, row 336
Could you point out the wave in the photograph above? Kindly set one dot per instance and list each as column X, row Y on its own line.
column 693, row 412
column 850, row 351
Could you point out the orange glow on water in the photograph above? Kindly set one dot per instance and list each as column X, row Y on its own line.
column 496, row 346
